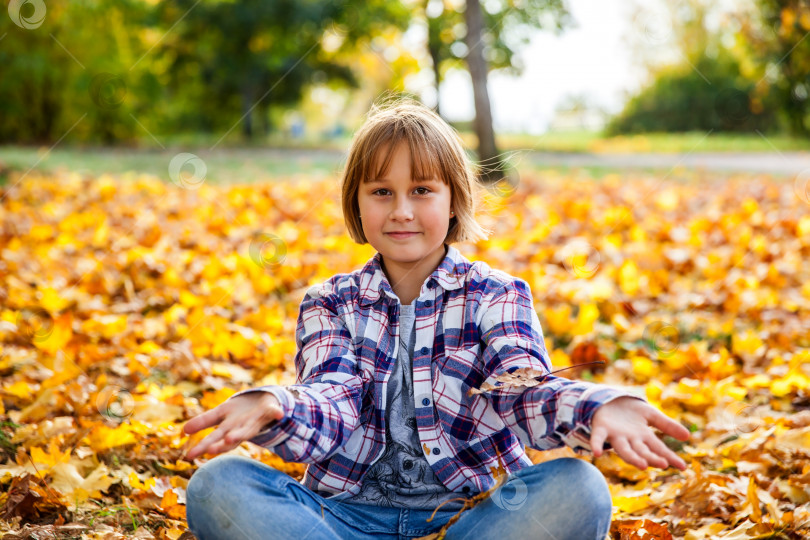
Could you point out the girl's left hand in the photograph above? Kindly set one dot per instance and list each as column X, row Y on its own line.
column 625, row 423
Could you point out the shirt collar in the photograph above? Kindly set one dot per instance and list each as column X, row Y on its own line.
column 450, row 274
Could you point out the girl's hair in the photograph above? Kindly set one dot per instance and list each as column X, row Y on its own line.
column 435, row 148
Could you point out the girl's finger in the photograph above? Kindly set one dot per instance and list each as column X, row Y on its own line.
column 205, row 445
column 623, row 448
column 205, row 420
column 658, row 446
column 668, row 425
column 598, row 436
column 641, row 447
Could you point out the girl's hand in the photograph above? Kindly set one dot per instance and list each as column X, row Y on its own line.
column 240, row 419
column 624, row 422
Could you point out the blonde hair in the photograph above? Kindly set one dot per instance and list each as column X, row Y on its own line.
column 435, row 148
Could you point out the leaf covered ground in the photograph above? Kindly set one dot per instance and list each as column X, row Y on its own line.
column 129, row 305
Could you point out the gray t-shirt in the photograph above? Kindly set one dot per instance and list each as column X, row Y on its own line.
column 402, row 476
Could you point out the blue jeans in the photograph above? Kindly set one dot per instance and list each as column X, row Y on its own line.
column 237, row 498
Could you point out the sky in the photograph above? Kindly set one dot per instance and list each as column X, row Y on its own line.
column 593, row 58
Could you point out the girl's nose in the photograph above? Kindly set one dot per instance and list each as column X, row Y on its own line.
column 402, row 210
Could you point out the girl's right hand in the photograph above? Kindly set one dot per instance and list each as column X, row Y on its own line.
column 239, row 419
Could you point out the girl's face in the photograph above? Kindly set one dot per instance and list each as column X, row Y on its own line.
column 397, row 203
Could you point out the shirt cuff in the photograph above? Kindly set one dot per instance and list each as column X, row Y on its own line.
column 277, row 431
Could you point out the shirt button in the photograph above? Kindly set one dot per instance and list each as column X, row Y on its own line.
column 424, row 350
column 428, row 303
column 466, row 489
column 426, row 402
column 436, row 451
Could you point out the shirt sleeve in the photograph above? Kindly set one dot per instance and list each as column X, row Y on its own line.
column 554, row 413
column 323, row 409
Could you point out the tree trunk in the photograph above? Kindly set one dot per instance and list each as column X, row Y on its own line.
column 434, row 45
column 433, row 48
column 492, row 168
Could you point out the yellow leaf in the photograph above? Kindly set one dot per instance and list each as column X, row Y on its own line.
column 804, row 20
column 558, row 319
column 559, row 358
column 58, row 336
column 52, row 457
column 747, row 343
column 136, row 483
column 103, row 438
column 52, row 301
column 588, row 315
column 792, row 382
column 209, row 400
column 788, row 18
column 643, row 368
column 753, row 501
column 631, row 504
column 629, row 278
column 803, row 227
column 20, row 389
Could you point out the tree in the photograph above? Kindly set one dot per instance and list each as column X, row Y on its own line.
column 485, row 37
column 71, row 75
column 238, row 58
column 775, row 39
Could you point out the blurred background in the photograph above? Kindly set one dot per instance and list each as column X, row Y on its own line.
column 106, row 85
column 168, row 194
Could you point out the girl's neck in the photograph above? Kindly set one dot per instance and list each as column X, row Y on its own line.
column 406, row 279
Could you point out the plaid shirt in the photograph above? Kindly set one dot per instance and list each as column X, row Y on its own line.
column 473, row 323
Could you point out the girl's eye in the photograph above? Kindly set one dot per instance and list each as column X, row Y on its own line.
column 425, row 192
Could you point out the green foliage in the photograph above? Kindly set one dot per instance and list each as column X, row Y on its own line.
column 118, row 71
column 709, row 95
column 507, row 23
column 70, row 75
column 774, row 38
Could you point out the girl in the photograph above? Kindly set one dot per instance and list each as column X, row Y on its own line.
column 387, row 356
